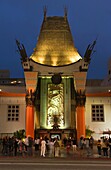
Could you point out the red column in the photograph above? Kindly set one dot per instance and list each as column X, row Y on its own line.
column 80, row 113
column 30, row 121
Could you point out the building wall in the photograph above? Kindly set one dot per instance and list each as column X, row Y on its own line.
column 11, row 126
column 98, row 127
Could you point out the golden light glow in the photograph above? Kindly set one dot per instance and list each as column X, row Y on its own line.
column 41, row 60
column 55, row 45
column 55, row 105
column 75, row 58
column 54, row 62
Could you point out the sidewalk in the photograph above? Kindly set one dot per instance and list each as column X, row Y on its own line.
column 79, row 154
column 63, row 153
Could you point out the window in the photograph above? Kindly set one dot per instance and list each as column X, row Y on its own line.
column 97, row 113
column 13, row 113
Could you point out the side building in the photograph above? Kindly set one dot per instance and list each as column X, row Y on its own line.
column 12, row 104
column 98, row 105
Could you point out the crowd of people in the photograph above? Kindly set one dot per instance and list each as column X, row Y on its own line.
column 11, row 146
column 41, row 146
column 44, row 146
column 104, row 147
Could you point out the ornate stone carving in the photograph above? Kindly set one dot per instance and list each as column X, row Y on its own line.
column 55, row 114
column 89, row 50
column 30, row 98
column 80, row 98
column 22, row 51
column 56, row 121
column 56, row 78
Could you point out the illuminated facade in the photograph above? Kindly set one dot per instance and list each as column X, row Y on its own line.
column 55, row 77
column 57, row 98
column 13, row 114
column 55, row 111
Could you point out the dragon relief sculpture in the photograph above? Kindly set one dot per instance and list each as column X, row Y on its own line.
column 30, row 98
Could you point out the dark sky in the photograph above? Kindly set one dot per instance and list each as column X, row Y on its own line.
column 88, row 19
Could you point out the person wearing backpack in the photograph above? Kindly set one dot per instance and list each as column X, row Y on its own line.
column 99, row 147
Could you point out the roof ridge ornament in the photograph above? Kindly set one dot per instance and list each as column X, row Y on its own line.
column 65, row 12
column 89, row 51
column 45, row 12
column 22, row 51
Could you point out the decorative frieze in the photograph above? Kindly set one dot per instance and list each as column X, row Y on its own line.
column 80, row 98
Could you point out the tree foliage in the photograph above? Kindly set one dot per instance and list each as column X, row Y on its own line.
column 89, row 132
column 19, row 134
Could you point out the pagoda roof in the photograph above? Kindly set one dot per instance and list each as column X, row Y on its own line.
column 55, row 46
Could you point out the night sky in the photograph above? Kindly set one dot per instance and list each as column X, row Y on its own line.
column 88, row 19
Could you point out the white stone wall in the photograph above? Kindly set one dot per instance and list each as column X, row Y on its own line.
column 98, row 127
column 11, row 126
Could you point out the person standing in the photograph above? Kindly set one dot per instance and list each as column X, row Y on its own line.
column 91, row 142
column 51, row 147
column 43, row 147
column 109, row 145
column 56, row 148
column 99, row 147
column 105, row 147
column 74, row 144
column 88, row 149
column 26, row 143
column 68, row 146
column 30, row 146
column 15, row 144
column 37, row 143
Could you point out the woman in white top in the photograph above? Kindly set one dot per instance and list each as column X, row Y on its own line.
column 43, row 147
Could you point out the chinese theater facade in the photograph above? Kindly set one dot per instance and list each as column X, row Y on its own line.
column 55, row 78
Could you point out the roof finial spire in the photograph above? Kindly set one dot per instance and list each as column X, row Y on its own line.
column 65, row 12
column 45, row 12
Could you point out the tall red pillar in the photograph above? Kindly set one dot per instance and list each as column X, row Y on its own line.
column 31, row 85
column 80, row 118
column 80, row 82
column 30, row 121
